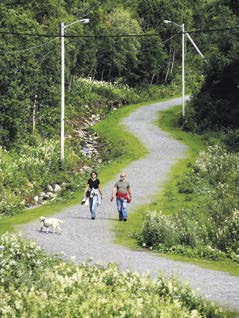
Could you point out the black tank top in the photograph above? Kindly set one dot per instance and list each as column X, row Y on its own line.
column 94, row 184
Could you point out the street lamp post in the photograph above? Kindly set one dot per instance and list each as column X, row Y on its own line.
column 183, row 59
column 63, row 27
column 183, row 71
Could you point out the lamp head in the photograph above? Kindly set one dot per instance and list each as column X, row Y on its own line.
column 167, row 21
column 85, row 20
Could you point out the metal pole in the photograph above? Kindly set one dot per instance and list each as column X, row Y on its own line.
column 183, row 58
column 63, row 27
column 183, row 73
column 193, row 43
column 62, row 89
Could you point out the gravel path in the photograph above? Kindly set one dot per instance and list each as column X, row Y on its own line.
column 87, row 239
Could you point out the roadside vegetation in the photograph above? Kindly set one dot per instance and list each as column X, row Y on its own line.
column 36, row 285
column 204, row 219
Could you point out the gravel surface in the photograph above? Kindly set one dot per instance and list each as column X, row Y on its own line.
column 91, row 240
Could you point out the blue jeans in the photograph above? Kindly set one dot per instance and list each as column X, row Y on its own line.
column 122, row 208
column 93, row 205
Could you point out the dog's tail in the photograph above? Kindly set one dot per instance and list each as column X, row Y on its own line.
column 62, row 221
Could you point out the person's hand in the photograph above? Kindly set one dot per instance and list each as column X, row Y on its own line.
column 112, row 199
column 129, row 198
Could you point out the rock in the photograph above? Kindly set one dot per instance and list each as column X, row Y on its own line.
column 44, row 196
column 49, row 188
column 36, row 199
column 51, row 195
column 57, row 188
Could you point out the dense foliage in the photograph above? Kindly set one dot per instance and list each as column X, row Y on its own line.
column 34, row 285
column 216, row 106
column 126, row 54
column 125, row 42
column 211, row 228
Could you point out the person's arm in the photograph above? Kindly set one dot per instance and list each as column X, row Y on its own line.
column 86, row 188
column 130, row 193
column 100, row 190
column 84, row 195
column 114, row 190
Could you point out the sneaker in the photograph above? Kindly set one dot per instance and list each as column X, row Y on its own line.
column 125, row 220
column 93, row 217
column 120, row 219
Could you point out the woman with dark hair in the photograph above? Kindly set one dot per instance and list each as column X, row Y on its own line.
column 93, row 192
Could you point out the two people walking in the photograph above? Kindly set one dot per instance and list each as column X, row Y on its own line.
column 121, row 191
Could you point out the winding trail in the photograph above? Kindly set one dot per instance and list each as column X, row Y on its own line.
column 87, row 239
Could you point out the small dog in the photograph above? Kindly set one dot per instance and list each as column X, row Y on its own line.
column 51, row 222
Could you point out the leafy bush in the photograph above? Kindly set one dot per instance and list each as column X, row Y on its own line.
column 158, row 228
column 231, row 139
column 184, row 228
column 100, row 96
column 34, row 285
column 211, row 229
column 21, row 262
column 28, row 172
column 228, row 234
column 215, row 107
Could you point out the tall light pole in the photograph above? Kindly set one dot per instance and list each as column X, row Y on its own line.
column 183, row 59
column 63, row 27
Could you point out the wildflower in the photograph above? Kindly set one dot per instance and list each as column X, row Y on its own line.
column 73, row 258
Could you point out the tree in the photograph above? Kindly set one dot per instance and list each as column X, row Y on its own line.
column 28, row 78
column 152, row 60
column 118, row 49
column 216, row 105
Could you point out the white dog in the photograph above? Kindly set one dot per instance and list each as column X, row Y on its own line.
column 51, row 222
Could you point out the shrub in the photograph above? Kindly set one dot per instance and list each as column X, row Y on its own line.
column 34, row 285
column 231, row 139
column 28, row 172
column 211, row 229
column 228, row 234
column 158, row 228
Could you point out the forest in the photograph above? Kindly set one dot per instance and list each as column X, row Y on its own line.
column 125, row 43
